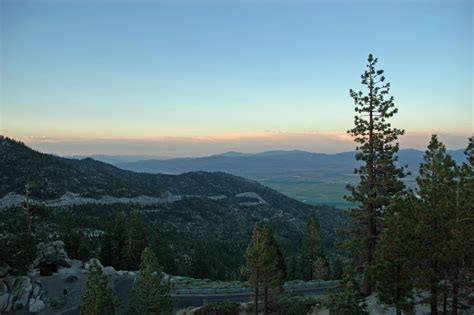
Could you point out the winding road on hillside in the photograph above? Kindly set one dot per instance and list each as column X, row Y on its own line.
column 197, row 297
column 188, row 300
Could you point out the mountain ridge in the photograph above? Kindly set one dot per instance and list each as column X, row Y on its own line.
column 242, row 163
column 57, row 176
column 200, row 211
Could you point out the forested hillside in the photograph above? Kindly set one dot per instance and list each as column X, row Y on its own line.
column 217, row 209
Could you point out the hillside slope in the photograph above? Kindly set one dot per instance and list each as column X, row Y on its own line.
column 204, row 203
column 54, row 176
column 313, row 178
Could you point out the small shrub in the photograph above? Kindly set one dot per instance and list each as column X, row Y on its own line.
column 296, row 304
column 219, row 308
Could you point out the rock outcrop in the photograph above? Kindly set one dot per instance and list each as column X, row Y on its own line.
column 48, row 250
column 36, row 305
column 18, row 292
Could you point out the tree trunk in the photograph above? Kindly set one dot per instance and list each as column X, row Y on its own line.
column 434, row 300
column 256, row 301
column 454, row 310
column 371, row 229
column 445, row 298
column 265, row 307
column 399, row 311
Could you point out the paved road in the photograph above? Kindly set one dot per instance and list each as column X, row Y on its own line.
column 188, row 300
column 123, row 286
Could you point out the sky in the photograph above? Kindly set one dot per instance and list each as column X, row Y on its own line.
column 193, row 78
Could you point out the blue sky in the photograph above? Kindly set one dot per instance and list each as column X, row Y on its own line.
column 228, row 75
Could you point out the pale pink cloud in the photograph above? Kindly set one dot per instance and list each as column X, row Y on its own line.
column 250, row 142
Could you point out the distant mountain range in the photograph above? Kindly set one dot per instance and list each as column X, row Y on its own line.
column 270, row 162
column 314, row 178
column 212, row 205
column 55, row 176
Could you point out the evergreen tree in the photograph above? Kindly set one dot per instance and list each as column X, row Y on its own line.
column 274, row 271
column 70, row 236
column 347, row 298
column 136, row 242
column 320, row 268
column 437, row 193
column 264, row 263
column 255, row 263
column 313, row 249
column 200, row 266
column 164, row 253
column 460, row 248
column 293, row 268
column 394, row 257
column 98, row 298
column 150, row 296
column 337, row 269
column 22, row 251
column 379, row 177
column 84, row 252
column 281, row 273
column 118, row 241
column 106, row 250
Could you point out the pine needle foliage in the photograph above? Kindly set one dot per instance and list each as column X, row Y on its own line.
column 377, row 145
column 98, row 299
column 150, row 296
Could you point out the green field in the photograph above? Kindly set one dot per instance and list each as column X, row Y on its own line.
column 309, row 190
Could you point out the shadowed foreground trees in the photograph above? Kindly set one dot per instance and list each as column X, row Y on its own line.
column 347, row 298
column 393, row 269
column 407, row 242
column 437, row 193
column 315, row 264
column 150, row 295
column 264, row 266
column 98, row 299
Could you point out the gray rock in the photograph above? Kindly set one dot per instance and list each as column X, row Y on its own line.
column 20, row 283
column 5, row 302
column 109, row 270
column 21, row 291
column 3, row 287
column 36, row 291
column 53, row 249
column 91, row 262
column 36, row 305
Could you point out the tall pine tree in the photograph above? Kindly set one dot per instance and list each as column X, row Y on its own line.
column 264, row 263
column 113, row 248
column 274, row 269
column 150, row 296
column 393, row 269
column 98, row 298
column 437, row 193
column 314, row 252
column 379, row 177
column 136, row 241
column 346, row 299
column 461, row 248
column 200, row 266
